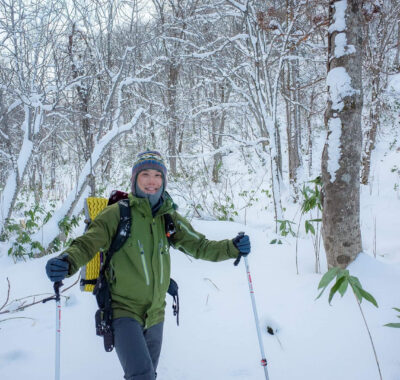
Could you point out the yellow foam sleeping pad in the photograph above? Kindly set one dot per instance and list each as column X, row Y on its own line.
column 91, row 270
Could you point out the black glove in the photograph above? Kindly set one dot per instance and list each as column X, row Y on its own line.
column 57, row 268
column 242, row 243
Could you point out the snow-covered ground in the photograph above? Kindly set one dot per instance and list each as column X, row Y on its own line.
column 216, row 338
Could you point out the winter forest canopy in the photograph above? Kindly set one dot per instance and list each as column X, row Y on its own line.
column 237, row 95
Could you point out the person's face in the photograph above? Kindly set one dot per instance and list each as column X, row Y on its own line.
column 149, row 181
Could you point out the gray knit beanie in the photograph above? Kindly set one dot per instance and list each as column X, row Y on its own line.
column 149, row 159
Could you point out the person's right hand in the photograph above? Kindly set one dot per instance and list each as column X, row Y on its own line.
column 57, row 268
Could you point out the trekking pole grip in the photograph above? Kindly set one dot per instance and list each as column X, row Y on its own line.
column 237, row 261
column 57, row 286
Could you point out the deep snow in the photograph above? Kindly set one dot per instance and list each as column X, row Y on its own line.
column 216, row 338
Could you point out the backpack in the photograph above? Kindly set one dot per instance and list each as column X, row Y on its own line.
column 93, row 273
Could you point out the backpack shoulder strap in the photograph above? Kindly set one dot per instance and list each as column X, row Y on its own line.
column 123, row 232
column 169, row 226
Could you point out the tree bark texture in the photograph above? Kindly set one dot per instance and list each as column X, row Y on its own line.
column 84, row 98
column 341, row 186
column 218, row 127
column 374, row 115
column 293, row 123
column 173, row 73
column 377, row 37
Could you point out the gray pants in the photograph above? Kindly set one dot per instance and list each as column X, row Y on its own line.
column 138, row 350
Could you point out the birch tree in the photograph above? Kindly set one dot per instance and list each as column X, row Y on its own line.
column 28, row 36
column 342, row 151
column 380, row 46
column 100, row 81
column 171, row 16
column 266, row 44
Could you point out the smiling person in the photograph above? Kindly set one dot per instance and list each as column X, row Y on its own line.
column 139, row 273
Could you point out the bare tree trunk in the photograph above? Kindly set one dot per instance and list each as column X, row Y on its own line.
column 218, row 130
column 292, row 105
column 173, row 73
column 380, row 37
column 83, row 93
column 370, row 142
column 88, row 135
column 342, row 151
column 397, row 57
column 17, row 174
column 53, row 163
column 309, row 135
column 292, row 112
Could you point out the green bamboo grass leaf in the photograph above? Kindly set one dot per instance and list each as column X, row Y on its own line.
column 275, row 241
column 355, row 281
column 342, row 289
column 336, row 287
column 343, row 272
column 320, row 294
column 360, row 292
column 395, row 325
column 328, row 277
column 367, row 296
column 357, row 292
column 309, row 227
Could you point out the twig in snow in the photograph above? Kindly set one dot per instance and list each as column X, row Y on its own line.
column 23, row 305
column 8, row 295
column 7, row 319
column 216, row 287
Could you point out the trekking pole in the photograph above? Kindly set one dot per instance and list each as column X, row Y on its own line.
column 56, row 297
column 253, row 302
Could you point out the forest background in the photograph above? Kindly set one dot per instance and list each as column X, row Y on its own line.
column 243, row 98
column 233, row 94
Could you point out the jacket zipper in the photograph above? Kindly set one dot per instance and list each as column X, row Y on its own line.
column 146, row 273
column 161, row 261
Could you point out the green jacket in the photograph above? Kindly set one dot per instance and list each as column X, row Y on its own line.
column 139, row 273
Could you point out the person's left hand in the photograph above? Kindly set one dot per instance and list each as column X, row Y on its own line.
column 242, row 243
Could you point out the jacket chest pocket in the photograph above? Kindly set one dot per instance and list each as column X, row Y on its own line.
column 144, row 265
column 163, row 252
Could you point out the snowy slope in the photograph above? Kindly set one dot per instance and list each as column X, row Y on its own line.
column 216, row 338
